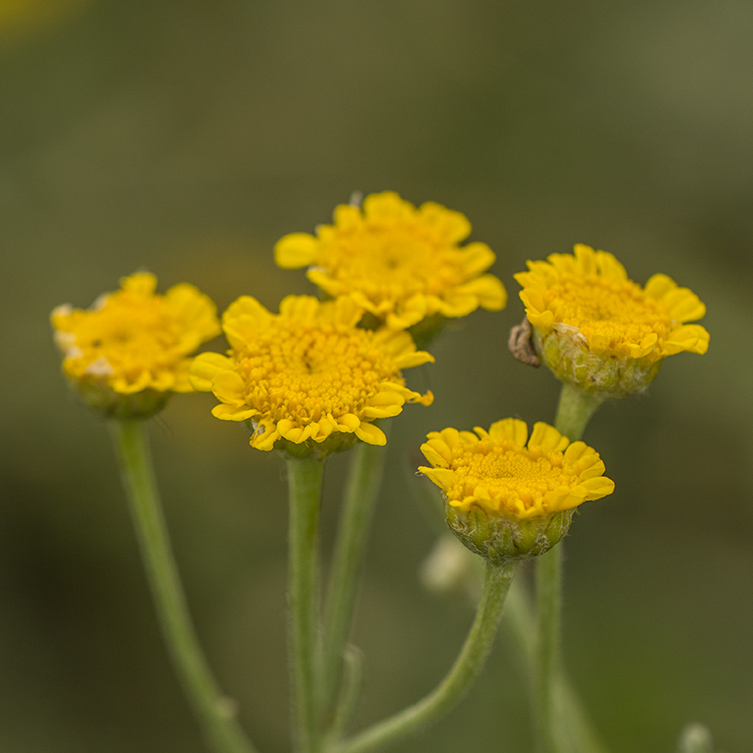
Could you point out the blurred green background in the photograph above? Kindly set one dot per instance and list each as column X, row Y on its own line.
column 186, row 137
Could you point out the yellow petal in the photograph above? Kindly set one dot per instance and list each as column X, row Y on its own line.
column 512, row 428
column 457, row 304
column 386, row 205
column 205, row 368
column 387, row 411
column 417, row 358
column 575, row 452
column 296, row 250
column 232, row 413
column 442, row 477
column 141, row 284
column 547, row 438
column 370, row 434
column 476, row 258
column 228, row 386
column 596, row 488
column 348, row 422
column 585, row 259
column 347, row 217
column 451, row 226
column 488, row 290
column 659, row 285
column 684, row 305
column 302, row 308
column 692, row 338
column 264, row 441
column 610, row 267
column 432, row 451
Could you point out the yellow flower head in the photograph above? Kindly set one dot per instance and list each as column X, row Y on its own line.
column 401, row 263
column 308, row 374
column 596, row 328
column 131, row 349
column 509, row 495
column 503, row 471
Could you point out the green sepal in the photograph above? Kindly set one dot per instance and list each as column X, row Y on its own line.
column 501, row 539
column 606, row 375
column 102, row 399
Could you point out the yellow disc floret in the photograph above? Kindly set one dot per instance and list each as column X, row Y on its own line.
column 308, row 373
column 502, row 471
column 399, row 262
column 134, row 342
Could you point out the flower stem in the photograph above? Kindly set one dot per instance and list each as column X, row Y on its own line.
column 548, row 594
column 573, row 413
column 466, row 669
column 305, row 476
column 575, row 408
column 572, row 719
column 215, row 712
column 361, row 493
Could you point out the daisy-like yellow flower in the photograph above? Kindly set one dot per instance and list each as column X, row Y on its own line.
column 401, row 263
column 509, row 495
column 596, row 328
column 308, row 374
column 128, row 352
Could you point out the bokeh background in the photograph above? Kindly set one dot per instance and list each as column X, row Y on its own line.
column 186, row 137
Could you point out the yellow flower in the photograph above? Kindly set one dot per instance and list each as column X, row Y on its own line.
column 510, row 496
column 400, row 263
column 596, row 328
column 131, row 349
column 308, row 374
column 498, row 471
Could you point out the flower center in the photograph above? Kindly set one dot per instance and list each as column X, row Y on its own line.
column 618, row 311
column 130, row 339
column 509, row 471
column 303, row 373
column 392, row 262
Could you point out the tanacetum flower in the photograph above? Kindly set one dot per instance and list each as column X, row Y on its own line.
column 400, row 263
column 130, row 350
column 509, row 495
column 596, row 328
column 308, row 374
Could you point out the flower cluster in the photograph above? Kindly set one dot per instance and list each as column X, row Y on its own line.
column 318, row 375
column 315, row 377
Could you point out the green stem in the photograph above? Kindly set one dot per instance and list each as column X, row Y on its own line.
column 571, row 718
column 574, row 410
column 548, row 594
column 367, row 465
column 350, row 692
column 573, row 413
column 466, row 669
column 305, row 477
column 215, row 712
